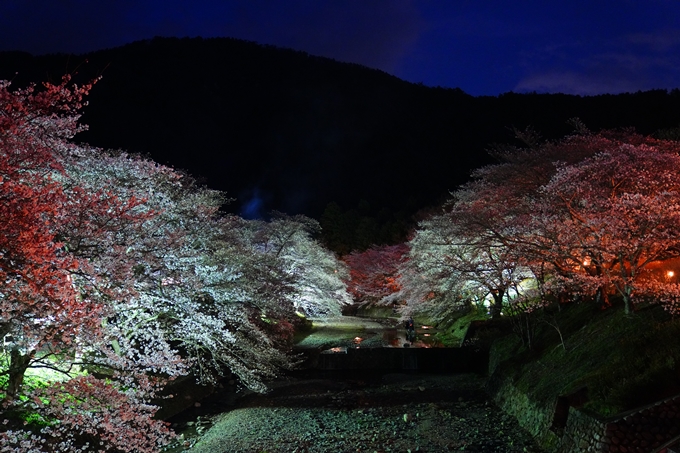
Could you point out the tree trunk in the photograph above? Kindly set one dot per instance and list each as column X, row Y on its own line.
column 602, row 298
column 17, row 369
column 627, row 300
column 627, row 290
column 497, row 304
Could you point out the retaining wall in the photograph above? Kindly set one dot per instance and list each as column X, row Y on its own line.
column 642, row 430
column 450, row 360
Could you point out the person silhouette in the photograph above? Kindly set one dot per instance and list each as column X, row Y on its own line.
column 410, row 329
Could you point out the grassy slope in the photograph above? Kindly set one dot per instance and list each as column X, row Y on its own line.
column 453, row 332
column 623, row 361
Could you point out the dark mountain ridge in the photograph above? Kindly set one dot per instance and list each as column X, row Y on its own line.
column 293, row 132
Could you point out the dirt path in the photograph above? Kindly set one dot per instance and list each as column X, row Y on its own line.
column 390, row 413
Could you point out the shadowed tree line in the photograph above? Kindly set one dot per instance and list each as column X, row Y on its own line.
column 347, row 230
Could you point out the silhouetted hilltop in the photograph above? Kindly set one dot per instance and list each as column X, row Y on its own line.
column 296, row 131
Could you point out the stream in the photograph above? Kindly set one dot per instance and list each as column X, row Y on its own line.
column 396, row 412
column 342, row 332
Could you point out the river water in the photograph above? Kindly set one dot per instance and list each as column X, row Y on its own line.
column 425, row 338
column 344, row 332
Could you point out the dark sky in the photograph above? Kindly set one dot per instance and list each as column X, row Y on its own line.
column 483, row 47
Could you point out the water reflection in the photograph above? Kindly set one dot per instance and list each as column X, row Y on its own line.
column 424, row 338
column 352, row 332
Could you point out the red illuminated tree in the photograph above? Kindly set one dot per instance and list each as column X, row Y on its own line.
column 585, row 215
column 522, row 204
column 40, row 304
column 123, row 268
column 373, row 274
column 54, row 297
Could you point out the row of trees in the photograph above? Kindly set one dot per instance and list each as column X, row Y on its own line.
column 117, row 274
column 591, row 216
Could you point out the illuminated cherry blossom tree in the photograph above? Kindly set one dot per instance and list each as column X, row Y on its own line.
column 121, row 273
column 223, row 290
column 52, row 299
column 313, row 275
column 374, row 273
column 463, row 262
column 611, row 215
column 586, row 216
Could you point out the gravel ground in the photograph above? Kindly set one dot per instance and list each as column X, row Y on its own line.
column 391, row 413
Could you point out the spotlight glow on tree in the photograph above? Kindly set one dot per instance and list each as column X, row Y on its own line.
column 120, row 274
column 584, row 217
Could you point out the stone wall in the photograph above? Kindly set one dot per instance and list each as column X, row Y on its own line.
column 531, row 416
column 583, row 433
column 642, row 430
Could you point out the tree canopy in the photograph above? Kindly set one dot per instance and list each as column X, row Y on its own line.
column 590, row 216
column 120, row 274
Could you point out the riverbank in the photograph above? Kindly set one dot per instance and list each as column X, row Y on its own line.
column 389, row 413
column 590, row 370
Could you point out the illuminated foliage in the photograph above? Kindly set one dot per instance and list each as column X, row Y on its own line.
column 611, row 215
column 374, row 273
column 53, row 299
column 585, row 217
column 464, row 265
column 120, row 274
column 314, row 276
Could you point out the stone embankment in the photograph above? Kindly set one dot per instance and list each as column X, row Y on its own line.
column 404, row 411
column 641, row 431
column 644, row 430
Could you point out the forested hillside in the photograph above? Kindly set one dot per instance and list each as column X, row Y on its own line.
column 280, row 129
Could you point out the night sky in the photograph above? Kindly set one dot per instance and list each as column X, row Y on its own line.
column 482, row 47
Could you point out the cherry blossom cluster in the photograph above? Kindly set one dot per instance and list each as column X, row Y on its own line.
column 120, row 275
column 588, row 217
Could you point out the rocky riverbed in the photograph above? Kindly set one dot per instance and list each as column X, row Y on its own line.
column 388, row 413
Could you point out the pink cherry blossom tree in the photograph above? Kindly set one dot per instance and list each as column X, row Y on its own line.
column 54, row 298
column 609, row 216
